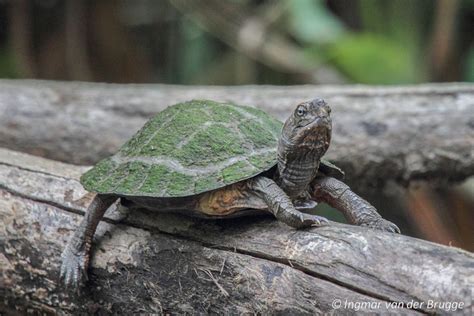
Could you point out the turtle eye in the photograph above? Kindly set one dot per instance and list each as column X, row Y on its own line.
column 300, row 111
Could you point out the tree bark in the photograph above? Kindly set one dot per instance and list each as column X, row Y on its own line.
column 174, row 264
column 380, row 134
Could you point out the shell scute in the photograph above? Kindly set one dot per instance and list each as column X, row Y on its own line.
column 189, row 148
column 211, row 144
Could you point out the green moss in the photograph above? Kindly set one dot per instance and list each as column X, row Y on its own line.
column 138, row 141
column 166, row 139
column 224, row 113
column 160, row 180
column 114, row 179
column 258, row 134
column 91, row 179
column 196, row 133
column 271, row 124
column 234, row 172
column 261, row 162
column 208, row 182
column 211, row 145
column 137, row 172
column 179, row 184
column 156, row 180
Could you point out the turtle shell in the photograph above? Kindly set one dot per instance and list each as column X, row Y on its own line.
column 189, row 148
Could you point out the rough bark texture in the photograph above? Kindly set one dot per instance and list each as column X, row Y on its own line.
column 380, row 134
column 168, row 263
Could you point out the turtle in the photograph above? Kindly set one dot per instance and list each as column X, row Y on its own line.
column 214, row 160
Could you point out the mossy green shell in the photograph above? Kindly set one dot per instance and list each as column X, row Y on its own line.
column 189, row 148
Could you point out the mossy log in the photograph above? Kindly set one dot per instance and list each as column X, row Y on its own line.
column 380, row 134
column 144, row 262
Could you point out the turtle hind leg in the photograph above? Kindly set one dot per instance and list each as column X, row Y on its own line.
column 281, row 206
column 75, row 257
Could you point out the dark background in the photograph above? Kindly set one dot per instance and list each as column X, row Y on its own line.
column 238, row 41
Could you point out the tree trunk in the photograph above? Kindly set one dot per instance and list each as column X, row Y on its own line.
column 174, row 264
column 380, row 133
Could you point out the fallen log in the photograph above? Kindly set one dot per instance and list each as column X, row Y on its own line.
column 174, row 264
column 380, row 133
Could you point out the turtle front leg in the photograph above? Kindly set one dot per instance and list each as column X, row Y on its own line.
column 75, row 257
column 281, row 206
column 356, row 210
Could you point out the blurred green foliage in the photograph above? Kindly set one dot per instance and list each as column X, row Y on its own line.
column 7, row 65
column 373, row 59
column 383, row 51
column 358, row 41
column 199, row 51
column 312, row 22
column 469, row 72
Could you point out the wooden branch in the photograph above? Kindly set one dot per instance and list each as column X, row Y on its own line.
column 174, row 264
column 380, row 134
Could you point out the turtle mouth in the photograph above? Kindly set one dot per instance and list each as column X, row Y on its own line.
column 314, row 133
column 318, row 123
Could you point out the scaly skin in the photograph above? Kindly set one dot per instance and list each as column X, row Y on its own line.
column 304, row 140
column 356, row 210
column 281, row 206
column 75, row 257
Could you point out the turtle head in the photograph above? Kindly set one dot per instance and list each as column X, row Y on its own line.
column 308, row 128
column 304, row 140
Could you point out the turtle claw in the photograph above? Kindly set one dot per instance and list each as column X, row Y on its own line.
column 383, row 225
column 73, row 267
